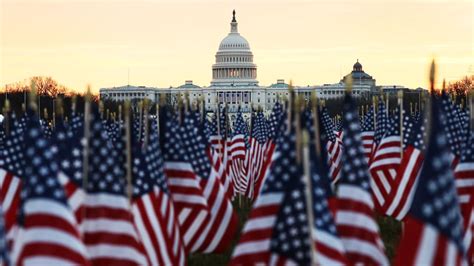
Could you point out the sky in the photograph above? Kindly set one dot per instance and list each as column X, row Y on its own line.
column 162, row 43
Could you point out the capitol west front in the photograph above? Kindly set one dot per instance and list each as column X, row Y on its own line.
column 234, row 81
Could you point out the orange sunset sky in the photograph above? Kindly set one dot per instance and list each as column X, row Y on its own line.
column 164, row 42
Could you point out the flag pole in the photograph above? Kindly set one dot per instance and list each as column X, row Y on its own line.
column 85, row 152
column 140, row 120
column 201, row 108
column 146, row 129
column 309, row 198
column 375, row 106
column 157, row 107
column 6, row 122
column 60, row 110
column 291, row 97
column 218, row 117
column 128, row 148
column 471, row 107
column 317, row 137
column 400, row 103
column 297, row 120
column 120, row 113
column 432, row 79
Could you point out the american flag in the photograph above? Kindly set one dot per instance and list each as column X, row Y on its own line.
column 222, row 225
column 217, row 132
column 338, row 125
column 454, row 129
column 188, row 195
column 333, row 146
column 224, row 169
column 259, row 155
column 277, row 229
column 469, row 234
column 464, row 174
column 239, row 149
column 276, row 126
column 109, row 232
column 368, row 131
column 464, row 119
column 275, row 121
column 70, row 158
column 4, row 256
column 382, row 124
column 152, row 208
column 48, row 232
column 11, row 171
column 329, row 247
column 220, row 150
column 354, row 217
column 385, row 162
column 46, row 128
column 400, row 199
column 433, row 228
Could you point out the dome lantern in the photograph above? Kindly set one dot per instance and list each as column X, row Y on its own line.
column 357, row 66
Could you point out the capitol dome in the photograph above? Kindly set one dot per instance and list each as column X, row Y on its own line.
column 234, row 61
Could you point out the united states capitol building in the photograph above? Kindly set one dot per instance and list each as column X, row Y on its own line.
column 234, row 82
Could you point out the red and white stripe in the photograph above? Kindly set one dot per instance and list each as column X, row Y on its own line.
column 469, row 234
column 334, row 150
column 265, row 169
column 464, row 179
column 237, row 146
column 357, row 227
column 158, row 228
column 222, row 224
column 192, row 209
column 49, row 236
column 254, row 243
column 217, row 143
column 383, row 168
column 329, row 249
column 227, row 163
column 75, row 196
column 221, row 163
column 399, row 201
column 423, row 245
column 109, row 232
column 367, row 143
column 254, row 163
column 10, row 188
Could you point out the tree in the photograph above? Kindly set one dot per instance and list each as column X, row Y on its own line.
column 461, row 87
column 45, row 86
